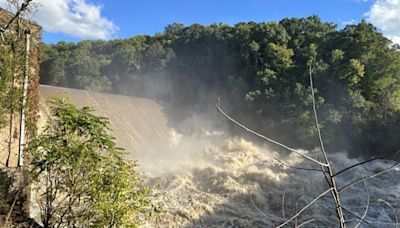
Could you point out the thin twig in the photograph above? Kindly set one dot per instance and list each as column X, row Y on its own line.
column 355, row 215
column 368, row 177
column 24, row 6
column 306, row 222
column 374, row 222
column 299, row 168
column 314, row 106
column 297, row 204
column 367, row 207
column 394, row 211
column 266, row 138
column 260, row 211
column 366, row 161
column 12, row 208
column 304, row 208
column 283, row 204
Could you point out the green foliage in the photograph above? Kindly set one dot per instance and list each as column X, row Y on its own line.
column 259, row 69
column 11, row 72
column 82, row 179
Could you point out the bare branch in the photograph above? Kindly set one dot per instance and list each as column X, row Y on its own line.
column 374, row 222
column 260, row 211
column 326, row 173
column 297, row 204
column 24, row 7
column 331, row 180
column 358, row 217
column 12, row 208
column 314, row 105
column 299, row 168
column 304, row 208
column 367, row 207
column 368, row 177
column 283, row 204
column 266, row 138
column 394, row 211
column 366, row 161
column 306, row 222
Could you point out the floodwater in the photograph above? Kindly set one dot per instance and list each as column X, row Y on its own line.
column 213, row 180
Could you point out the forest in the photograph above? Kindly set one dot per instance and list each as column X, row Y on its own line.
column 259, row 71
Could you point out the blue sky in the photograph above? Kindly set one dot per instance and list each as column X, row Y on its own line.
column 74, row 20
column 151, row 16
column 134, row 17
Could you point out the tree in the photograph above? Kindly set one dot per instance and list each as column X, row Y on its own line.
column 259, row 66
column 325, row 167
column 82, row 179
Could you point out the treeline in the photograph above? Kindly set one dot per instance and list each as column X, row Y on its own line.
column 260, row 71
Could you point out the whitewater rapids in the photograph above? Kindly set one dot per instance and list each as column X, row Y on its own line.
column 213, row 180
column 237, row 183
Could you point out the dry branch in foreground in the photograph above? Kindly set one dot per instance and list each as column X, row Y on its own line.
column 326, row 168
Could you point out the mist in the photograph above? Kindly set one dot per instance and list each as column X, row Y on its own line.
column 207, row 171
column 210, row 173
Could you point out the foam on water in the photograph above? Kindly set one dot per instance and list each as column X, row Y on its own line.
column 239, row 184
column 211, row 180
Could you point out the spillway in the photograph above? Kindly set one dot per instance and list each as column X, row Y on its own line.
column 136, row 123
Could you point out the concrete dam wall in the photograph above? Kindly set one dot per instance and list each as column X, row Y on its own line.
column 137, row 123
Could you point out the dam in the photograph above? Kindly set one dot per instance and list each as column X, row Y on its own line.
column 136, row 123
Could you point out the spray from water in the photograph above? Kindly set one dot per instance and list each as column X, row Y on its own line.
column 203, row 176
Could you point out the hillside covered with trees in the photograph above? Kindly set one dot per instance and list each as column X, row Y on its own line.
column 260, row 71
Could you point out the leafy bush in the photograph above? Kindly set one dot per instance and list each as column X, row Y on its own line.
column 81, row 177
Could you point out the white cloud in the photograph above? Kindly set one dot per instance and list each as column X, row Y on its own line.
column 75, row 18
column 385, row 14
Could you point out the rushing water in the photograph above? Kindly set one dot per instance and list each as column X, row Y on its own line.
column 239, row 184
column 212, row 180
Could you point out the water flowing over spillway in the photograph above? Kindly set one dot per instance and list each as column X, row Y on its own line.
column 136, row 123
column 213, row 180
